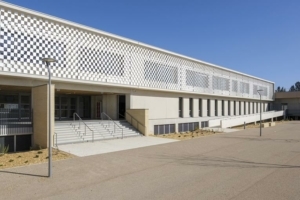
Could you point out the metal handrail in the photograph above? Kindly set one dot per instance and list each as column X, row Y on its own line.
column 114, row 124
column 131, row 117
column 80, row 120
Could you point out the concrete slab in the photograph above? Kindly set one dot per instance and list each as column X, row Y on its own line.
column 107, row 146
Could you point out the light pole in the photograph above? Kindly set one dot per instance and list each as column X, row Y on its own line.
column 48, row 61
column 258, row 91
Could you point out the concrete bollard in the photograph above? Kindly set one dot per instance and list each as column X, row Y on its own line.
column 244, row 125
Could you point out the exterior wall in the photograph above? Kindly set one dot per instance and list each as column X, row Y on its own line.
column 143, row 67
column 159, row 106
column 40, row 104
column 139, row 119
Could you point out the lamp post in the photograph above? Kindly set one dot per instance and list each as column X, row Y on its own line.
column 258, row 91
column 48, row 61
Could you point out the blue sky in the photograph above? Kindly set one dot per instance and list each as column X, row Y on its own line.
column 257, row 37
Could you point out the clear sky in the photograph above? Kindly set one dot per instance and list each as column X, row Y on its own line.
column 257, row 37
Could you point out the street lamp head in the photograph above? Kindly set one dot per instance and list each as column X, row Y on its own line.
column 48, row 60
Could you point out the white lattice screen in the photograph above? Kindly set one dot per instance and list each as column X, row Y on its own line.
column 91, row 56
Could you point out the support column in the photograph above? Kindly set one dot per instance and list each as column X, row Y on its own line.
column 225, row 107
column 204, row 108
column 195, row 107
column 219, row 107
column 40, row 105
column 212, row 107
column 186, row 108
column 242, row 108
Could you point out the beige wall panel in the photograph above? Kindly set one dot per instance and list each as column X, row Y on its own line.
column 196, row 108
column 40, row 107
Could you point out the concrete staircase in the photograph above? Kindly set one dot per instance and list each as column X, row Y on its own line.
column 92, row 130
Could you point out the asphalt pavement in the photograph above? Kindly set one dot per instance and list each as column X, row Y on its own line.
column 236, row 165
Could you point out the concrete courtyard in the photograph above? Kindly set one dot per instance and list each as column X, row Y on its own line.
column 236, row 165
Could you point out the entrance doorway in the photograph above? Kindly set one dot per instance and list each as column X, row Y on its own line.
column 66, row 105
column 121, row 106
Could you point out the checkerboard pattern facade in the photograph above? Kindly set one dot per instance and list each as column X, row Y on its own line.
column 93, row 56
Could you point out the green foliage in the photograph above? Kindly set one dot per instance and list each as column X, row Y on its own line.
column 295, row 88
column 3, row 149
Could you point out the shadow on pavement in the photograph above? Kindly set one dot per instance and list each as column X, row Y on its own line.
column 206, row 161
column 24, row 174
column 261, row 139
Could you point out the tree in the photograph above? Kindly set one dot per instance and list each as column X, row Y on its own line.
column 280, row 89
column 295, row 87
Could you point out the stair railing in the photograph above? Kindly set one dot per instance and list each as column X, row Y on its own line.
column 115, row 124
column 137, row 122
column 79, row 123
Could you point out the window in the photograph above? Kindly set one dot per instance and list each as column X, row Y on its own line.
column 164, row 129
column 216, row 107
column 208, row 107
column 229, row 106
column 245, row 108
column 223, row 108
column 182, row 127
column 240, row 108
column 256, row 107
column 200, row 107
column 180, row 107
column 253, row 106
column 191, row 107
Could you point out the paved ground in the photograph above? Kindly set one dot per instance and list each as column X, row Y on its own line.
column 237, row 165
column 108, row 146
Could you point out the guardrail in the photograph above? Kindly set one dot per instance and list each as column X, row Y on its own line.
column 115, row 124
column 85, row 125
column 15, row 121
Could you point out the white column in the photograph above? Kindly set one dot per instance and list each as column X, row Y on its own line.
column 231, row 108
column 247, row 108
column 204, row 108
column 225, row 107
column 219, row 107
column 186, row 107
column 237, row 107
column 196, row 108
column 242, row 108
column 212, row 107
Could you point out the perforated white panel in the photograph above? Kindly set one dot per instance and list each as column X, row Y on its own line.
column 91, row 56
